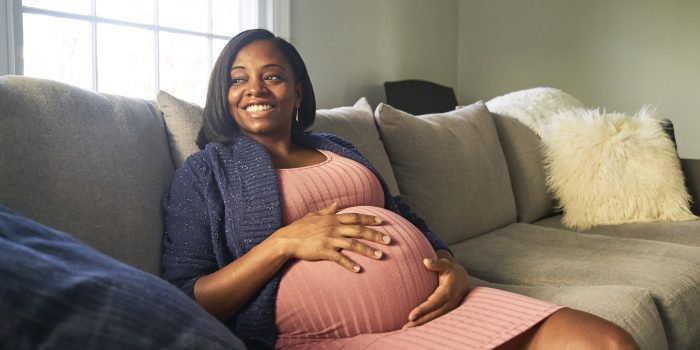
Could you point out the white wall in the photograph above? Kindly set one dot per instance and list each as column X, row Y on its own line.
column 615, row 54
column 351, row 47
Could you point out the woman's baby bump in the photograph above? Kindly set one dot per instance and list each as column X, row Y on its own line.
column 321, row 299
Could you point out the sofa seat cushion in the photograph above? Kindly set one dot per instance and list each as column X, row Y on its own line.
column 91, row 164
column 535, row 255
column 631, row 308
column 450, row 169
column 681, row 232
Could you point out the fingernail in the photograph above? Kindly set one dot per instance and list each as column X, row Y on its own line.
column 378, row 253
column 386, row 239
column 377, row 220
column 356, row 268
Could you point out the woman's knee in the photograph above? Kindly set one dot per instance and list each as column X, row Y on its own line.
column 569, row 327
column 615, row 337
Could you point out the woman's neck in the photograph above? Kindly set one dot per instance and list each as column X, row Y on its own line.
column 285, row 154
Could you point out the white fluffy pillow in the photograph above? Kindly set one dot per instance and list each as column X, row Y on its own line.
column 608, row 168
column 533, row 107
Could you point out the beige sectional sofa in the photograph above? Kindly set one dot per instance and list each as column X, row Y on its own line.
column 97, row 165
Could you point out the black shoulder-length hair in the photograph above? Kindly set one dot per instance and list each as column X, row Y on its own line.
column 217, row 123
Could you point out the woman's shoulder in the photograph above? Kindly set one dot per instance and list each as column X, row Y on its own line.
column 196, row 166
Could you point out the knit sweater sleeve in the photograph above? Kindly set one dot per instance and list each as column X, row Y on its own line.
column 188, row 252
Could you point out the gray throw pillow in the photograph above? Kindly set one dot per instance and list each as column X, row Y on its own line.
column 450, row 169
column 182, row 121
column 356, row 124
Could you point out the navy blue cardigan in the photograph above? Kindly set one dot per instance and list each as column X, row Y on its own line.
column 224, row 201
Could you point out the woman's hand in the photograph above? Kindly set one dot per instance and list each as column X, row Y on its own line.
column 453, row 285
column 323, row 234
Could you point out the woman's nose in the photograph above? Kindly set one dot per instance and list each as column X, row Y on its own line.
column 256, row 87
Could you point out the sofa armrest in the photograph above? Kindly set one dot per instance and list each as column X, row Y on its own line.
column 691, row 169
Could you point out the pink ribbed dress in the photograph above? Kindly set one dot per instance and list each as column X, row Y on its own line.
column 321, row 305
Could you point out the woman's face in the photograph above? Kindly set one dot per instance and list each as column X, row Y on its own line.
column 264, row 94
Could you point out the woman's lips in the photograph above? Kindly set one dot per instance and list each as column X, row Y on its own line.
column 258, row 108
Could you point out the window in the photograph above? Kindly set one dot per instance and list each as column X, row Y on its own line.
column 134, row 47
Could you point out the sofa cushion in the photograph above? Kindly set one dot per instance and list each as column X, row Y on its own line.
column 631, row 308
column 356, row 124
column 610, row 168
column 681, row 232
column 535, row 255
column 517, row 115
column 57, row 293
column 450, row 169
column 91, row 164
column 182, row 121
column 523, row 152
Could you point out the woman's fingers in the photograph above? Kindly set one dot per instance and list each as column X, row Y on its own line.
column 344, row 261
column 358, row 247
column 443, row 309
column 331, row 209
column 435, row 301
column 363, row 232
column 358, row 219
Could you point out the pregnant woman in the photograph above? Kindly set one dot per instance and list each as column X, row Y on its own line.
column 294, row 241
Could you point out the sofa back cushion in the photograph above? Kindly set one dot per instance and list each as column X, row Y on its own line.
column 525, row 158
column 182, row 122
column 89, row 164
column 450, row 169
column 356, row 124
column 518, row 117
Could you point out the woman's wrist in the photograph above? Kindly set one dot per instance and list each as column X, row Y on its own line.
column 280, row 245
column 445, row 254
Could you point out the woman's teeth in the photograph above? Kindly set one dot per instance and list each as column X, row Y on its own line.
column 258, row 108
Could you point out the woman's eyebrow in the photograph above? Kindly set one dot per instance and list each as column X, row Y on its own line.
column 274, row 65
column 270, row 65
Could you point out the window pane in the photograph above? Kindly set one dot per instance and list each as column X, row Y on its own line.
column 184, row 14
column 139, row 11
column 125, row 61
column 184, row 66
column 225, row 16
column 58, row 49
column 216, row 46
column 73, row 6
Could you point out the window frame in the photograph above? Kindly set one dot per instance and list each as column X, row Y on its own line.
column 272, row 14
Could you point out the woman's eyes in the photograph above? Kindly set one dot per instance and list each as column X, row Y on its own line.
column 270, row 77
column 273, row 77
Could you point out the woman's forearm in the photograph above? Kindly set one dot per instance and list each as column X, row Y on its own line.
column 225, row 291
